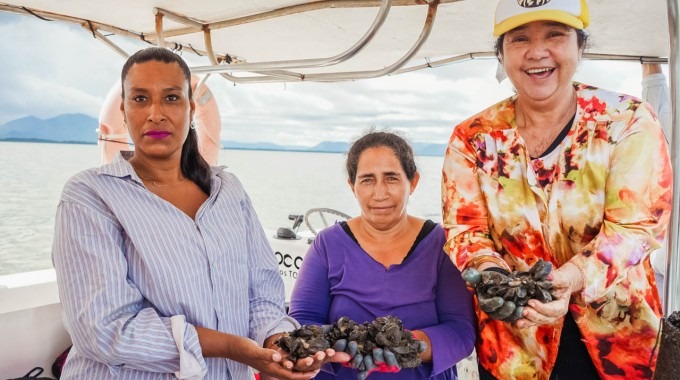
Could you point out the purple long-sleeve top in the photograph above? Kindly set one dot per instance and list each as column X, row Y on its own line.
column 338, row 278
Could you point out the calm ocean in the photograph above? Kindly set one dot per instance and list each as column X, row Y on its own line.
column 279, row 184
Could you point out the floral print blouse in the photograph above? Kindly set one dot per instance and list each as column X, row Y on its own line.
column 602, row 202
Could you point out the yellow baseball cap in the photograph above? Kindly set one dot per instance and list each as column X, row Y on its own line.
column 513, row 13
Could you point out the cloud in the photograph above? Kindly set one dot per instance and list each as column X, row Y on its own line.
column 50, row 68
column 424, row 104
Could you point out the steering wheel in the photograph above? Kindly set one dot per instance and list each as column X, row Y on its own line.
column 323, row 212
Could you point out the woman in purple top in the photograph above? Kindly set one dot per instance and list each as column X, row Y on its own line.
column 386, row 262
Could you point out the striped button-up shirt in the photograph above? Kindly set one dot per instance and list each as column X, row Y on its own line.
column 128, row 261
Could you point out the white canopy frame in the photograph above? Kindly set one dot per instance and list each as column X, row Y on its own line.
column 266, row 67
column 182, row 23
column 671, row 301
column 271, row 69
column 339, row 76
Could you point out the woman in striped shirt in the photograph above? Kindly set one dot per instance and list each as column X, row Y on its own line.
column 163, row 268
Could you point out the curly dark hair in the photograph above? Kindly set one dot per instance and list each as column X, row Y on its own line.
column 377, row 139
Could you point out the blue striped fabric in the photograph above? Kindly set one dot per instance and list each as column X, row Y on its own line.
column 127, row 261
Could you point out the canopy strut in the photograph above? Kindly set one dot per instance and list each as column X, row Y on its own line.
column 671, row 300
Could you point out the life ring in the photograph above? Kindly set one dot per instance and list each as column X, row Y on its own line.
column 113, row 136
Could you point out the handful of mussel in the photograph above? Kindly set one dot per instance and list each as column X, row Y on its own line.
column 304, row 342
column 357, row 339
column 503, row 295
column 669, row 349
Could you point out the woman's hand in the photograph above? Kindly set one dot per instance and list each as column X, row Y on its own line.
column 426, row 355
column 314, row 363
column 566, row 280
column 268, row 361
column 308, row 364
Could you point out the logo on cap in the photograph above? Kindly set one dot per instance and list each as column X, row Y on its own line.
column 532, row 3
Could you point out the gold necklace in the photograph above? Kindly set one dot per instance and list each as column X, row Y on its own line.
column 154, row 182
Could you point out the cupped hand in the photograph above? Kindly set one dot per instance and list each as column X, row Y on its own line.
column 314, row 363
column 269, row 362
column 539, row 313
column 566, row 280
column 308, row 364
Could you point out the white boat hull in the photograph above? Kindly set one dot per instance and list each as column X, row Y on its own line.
column 33, row 334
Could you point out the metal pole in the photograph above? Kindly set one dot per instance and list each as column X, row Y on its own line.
column 672, row 299
column 379, row 20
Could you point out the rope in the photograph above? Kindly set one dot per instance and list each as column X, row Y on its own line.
column 114, row 141
column 89, row 23
column 197, row 53
column 34, row 14
column 107, row 136
column 141, row 36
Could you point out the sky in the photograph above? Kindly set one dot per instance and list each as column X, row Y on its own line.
column 53, row 68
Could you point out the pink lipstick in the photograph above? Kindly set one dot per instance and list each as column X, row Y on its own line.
column 157, row 134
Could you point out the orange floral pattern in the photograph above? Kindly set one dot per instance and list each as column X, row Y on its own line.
column 607, row 208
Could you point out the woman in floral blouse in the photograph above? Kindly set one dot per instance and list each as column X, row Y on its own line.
column 567, row 173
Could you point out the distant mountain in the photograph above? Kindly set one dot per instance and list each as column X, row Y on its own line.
column 79, row 128
column 229, row 144
column 429, row 149
column 420, row 149
column 331, row 146
column 323, row 147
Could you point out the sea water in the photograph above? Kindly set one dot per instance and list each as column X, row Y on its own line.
column 279, row 184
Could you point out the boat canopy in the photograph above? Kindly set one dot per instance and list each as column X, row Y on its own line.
column 292, row 40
